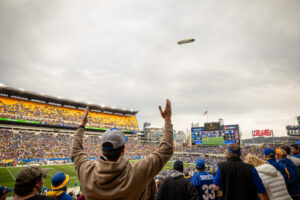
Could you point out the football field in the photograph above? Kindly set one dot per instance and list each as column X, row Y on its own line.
column 213, row 141
column 8, row 174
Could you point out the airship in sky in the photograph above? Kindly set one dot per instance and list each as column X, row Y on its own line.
column 186, row 41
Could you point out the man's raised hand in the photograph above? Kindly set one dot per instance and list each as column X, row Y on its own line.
column 167, row 113
column 85, row 116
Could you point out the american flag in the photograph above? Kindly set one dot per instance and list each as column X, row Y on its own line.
column 205, row 113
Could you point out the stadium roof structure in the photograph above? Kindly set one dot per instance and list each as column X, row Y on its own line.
column 32, row 96
column 153, row 127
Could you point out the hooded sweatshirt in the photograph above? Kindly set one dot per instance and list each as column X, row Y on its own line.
column 273, row 182
column 121, row 179
column 292, row 169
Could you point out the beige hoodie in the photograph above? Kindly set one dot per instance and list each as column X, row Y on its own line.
column 120, row 179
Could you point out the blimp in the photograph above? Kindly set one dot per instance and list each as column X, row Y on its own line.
column 186, row 41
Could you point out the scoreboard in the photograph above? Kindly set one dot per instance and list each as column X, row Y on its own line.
column 215, row 135
column 213, row 126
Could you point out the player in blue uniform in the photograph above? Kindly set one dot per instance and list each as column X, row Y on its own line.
column 203, row 181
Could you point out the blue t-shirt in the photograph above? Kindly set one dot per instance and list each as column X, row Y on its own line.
column 260, row 188
column 203, row 181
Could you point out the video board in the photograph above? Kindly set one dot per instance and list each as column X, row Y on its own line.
column 225, row 135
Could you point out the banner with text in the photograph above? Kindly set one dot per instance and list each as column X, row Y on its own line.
column 262, row 133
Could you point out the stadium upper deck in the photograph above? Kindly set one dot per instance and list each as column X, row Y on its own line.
column 22, row 106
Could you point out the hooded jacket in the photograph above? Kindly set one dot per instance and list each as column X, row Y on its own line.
column 292, row 186
column 177, row 187
column 121, row 179
column 273, row 182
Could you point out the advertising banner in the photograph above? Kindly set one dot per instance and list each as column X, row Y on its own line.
column 262, row 133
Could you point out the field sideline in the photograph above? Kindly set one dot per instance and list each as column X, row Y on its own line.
column 8, row 174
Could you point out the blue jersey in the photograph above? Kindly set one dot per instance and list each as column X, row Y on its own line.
column 203, row 181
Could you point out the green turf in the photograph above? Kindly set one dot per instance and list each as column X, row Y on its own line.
column 213, row 141
column 8, row 175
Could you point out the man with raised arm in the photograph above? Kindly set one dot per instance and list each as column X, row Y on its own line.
column 113, row 176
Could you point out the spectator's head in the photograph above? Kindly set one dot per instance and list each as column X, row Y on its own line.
column 59, row 181
column 186, row 174
column 287, row 149
column 4, row 191
column 200, row 165
column 295, row 149
column 254, row 160
column 30, row 180
column 178, row 166
column 268, row 153
column 113, row 144
column 233, row 151
column 280, row 154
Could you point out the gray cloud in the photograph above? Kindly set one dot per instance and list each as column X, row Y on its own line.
column 243, row 67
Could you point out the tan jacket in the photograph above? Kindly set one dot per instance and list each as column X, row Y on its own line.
column 120, row 179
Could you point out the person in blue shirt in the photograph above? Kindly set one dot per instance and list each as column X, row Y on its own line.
column 237, row 179
column 3, row 192
column 187, row 175
column 44, row 190
column 269, row 156
column 59, row 187
column 203, row 181
column 295, row 150
column 291, row 170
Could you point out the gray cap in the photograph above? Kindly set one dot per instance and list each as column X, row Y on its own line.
column 114, row 136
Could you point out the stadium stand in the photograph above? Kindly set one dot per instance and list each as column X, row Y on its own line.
column 61, row 116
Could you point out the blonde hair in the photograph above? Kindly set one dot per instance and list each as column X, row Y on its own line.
column 254, row 160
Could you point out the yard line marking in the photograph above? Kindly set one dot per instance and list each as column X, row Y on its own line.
column 14, row 178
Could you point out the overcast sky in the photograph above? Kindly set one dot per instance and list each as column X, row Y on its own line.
column 243, row 67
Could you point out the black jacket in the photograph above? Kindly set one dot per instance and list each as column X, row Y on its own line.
column 237, row 180
column 177, row 187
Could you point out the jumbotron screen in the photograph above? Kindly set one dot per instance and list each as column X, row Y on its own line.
column 226, row 135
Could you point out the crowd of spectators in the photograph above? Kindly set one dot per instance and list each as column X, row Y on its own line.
column 61, row 116
column 33, row 145
column 114, row 177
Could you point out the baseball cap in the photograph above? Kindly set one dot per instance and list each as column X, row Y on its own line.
column 4, row 190
column 268, row 151
column 59, row 181
column 178, row 165
column 280, row 152
column 200, row 164
column 29, row 174
column 113, row 136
